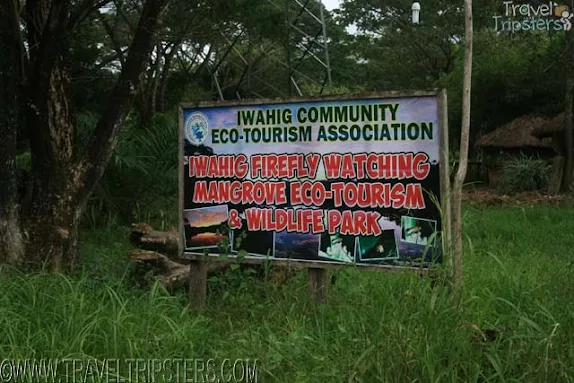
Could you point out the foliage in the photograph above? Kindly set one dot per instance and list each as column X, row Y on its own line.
column 374, row 327
column 141, row 180
column 522, row 174
column 512, row 76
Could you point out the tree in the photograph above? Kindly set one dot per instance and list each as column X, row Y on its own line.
column 44, row 226
column 11, row 66
column 426, row 51
column 568, row 148
column 464, row 143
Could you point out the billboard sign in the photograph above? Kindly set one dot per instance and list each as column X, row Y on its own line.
column 323, row 180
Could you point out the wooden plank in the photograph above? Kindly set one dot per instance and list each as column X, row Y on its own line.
column 302, row 264
column 318, row 285
column 445, row 180
column 555, row 181
column 198, row 284
column 181, row 180
column 319, row 98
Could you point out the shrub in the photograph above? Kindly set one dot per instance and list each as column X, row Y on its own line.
column 140, row 181
column 524, row 174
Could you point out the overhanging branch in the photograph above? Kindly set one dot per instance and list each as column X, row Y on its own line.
column 93, row 162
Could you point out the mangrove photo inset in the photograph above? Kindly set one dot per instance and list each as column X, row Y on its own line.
column 205, row 227
column 296, row 245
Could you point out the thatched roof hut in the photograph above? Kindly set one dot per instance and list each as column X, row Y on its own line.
column 551, row 128
column 517, row 134
column 513, row 140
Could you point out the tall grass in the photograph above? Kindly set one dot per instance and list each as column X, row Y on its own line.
column 374, row 327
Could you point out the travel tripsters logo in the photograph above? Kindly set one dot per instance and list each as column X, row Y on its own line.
column 527, row 17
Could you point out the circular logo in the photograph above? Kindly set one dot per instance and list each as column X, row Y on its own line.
column 196, row 129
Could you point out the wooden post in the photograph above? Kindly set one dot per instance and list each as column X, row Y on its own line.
column 198, row 284
column 556, row 177
column 318, row 284
column 445, row 177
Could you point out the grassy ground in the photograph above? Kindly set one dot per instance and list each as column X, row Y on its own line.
column 375, row 327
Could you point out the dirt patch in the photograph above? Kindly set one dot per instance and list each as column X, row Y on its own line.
column 483, row 197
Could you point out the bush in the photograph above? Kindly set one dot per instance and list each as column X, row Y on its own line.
column 140, row 181
column 524, row 174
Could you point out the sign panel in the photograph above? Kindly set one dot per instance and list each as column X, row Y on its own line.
column 353, row 180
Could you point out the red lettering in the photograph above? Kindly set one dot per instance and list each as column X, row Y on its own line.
column 337, row 191
column 372, row 166
column 282, row 167
column 360, row 159
column 414, row 197
column 421, row 169
column 271, row 167
column 308, row 193
column 236, row 193
column 398, row 196
column 348, row 167
column 313, row 163
column 241, row 166
column 377, row 195
column 333, row 221
column 254, row 219
column 332, row 163
column 281, row 219
column 373, row 227
column 198, row 166
column 200, row 192
column 256, row 165
column 291, row 224
column 404, row 165
column 296, row 221
column 295, row 192
column 350, row 195
column 318, row 224
column 354, row 222
column 347, row 226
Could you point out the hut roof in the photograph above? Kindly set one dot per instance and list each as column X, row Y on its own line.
column 553, row 126
column 516, row 134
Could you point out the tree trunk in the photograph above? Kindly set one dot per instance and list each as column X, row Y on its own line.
column 568, row 116
column 568, row 127
column 464, row 142
column 62, row 179
column 11, row 238
column 52, row 218
column 161, row 99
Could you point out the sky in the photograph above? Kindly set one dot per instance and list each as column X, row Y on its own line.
column 331, row 4
column 207, row 216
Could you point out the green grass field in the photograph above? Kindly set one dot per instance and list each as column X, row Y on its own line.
column 519, row 274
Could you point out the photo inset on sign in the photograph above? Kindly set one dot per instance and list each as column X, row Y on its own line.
column 256, row 243
column 205, row 227
column 296, row 245
column 417, row 230
column 336, row 247
column 378, row 248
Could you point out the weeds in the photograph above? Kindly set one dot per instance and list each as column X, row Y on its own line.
column 514, row 324
column 524, row 174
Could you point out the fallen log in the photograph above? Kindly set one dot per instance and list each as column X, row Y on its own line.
column 157, row 258
column 152, row 265
column 145, row 237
